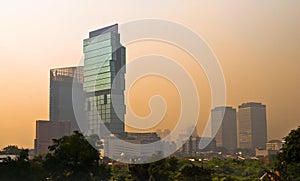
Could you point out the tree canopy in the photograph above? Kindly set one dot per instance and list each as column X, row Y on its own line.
column 72, row 158
column 288, row 160
column 10, row 150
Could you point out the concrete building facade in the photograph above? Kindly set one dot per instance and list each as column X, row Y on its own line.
column 64, row 83
column 252, row 124
column 48, row 130
column 224, row 124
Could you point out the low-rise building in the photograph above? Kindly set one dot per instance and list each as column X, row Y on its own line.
column 46, row 131
column 134, row 147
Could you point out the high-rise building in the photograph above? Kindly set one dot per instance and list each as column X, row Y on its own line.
column 66, row 85
column 252, row 125
column 104, row 56
column 224, row 124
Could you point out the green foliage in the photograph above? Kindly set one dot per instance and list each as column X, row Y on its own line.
column 139, row 171
column 164, row 169
column 194, row 172
column 10, row 150
column 103, row 172
column 170, row 169
column 288, row 161
column 120, row 172
column 71, row 158
column 247, row 169
column 232, row 178
column 20, row 169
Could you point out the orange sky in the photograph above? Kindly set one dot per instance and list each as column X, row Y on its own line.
column 257, row 44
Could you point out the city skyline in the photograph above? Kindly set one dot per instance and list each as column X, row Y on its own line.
column 257, row 49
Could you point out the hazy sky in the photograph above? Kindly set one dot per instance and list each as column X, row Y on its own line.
column 256, row 42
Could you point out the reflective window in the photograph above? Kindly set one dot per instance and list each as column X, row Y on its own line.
column 97, row 59
column 97, row 45
column 98, row 52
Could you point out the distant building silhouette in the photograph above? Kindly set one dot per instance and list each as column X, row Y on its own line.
column 65, row 84
column 274, row 145
column 224, row 124
column 48, row 130
column 103, row 58
column 163, row 134
column 252, row 125
column 272, row 148
column 192, row 146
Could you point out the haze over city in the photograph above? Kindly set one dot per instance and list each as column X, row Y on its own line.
column 256, row 44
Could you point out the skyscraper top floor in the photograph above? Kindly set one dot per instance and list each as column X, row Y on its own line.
column 251, row 104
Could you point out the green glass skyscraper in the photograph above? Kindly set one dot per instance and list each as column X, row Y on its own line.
column 104, row 56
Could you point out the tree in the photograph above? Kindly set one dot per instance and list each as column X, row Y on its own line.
column 234, row 169
column 139, row 171
column 95, row 141
column 120, row 172
column 73, row 158
column 10, row 150
column 195, row 173
column 21, row 168
column 70, row 158
column 162, row 170
column 288, row 160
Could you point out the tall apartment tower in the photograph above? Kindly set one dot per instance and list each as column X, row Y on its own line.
column 252, row 125
column 104, row 56
column 225, row 125
column 64, row 83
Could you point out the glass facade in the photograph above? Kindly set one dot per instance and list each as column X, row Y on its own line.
column 104, row 57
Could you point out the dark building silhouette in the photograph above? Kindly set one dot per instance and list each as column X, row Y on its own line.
column 104, row 56
column 163, row 134
column 143, row 138
column 48, row 130
column 224, row 124
column 66, row 90
column 252, row 125
column 192, row 146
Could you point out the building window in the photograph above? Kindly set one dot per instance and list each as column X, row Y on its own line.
column 105, row 99
column 88, row 105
